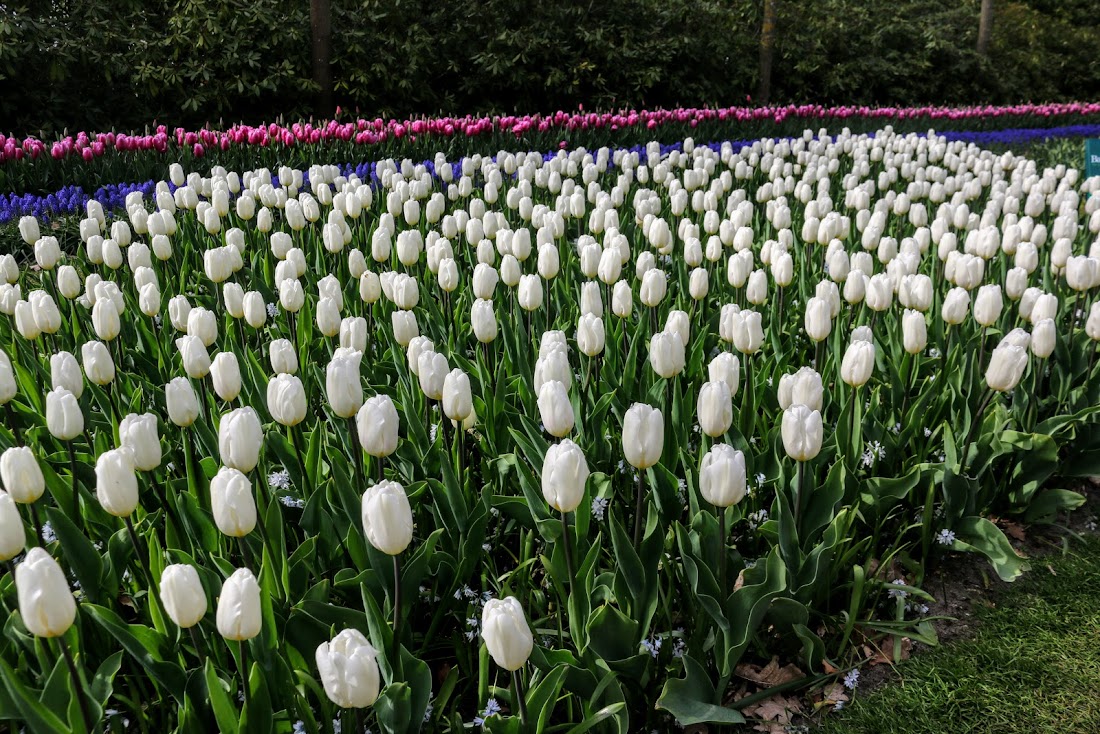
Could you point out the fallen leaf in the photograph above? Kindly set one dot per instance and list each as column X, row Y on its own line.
column 828, row 667
column 885, row 655
column 740, row 581
column 1051, row 569
column 1014, row 530
column 832, row 695
column 777, row 708
column 771, row 674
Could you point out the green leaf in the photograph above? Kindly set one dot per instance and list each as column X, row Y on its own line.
column 224, row 711
column 39, row 718
column 691, row 699
column 980, row 535
column 79, row 553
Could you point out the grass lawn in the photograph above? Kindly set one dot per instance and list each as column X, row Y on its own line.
column 1032, row 666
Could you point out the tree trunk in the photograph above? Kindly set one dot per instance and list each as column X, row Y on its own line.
column 320, row 20
column 767, row 51
column 985, row 27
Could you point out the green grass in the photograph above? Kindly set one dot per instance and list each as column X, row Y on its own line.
column 1033, row 665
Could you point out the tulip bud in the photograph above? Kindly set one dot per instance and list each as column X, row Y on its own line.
column 432, row 369
column 45, row 312
column 457, row 397
column 564, row 473
column 1092, row 328
column 914, row 331
column 377, row 425
column 116, row 483
column 283, row 358
column 804, row 387
column 699, row 284
column 590, row 335
column 715, row 408
column 239, row 615
column 149, row 299
column 22, row 477
column 182, row 402
column 105, row 319
column 643, row 435
column 748, row 332
column 726, row 368
column 722, row 477
column 47, row 252
column 286, row 400
column 622, row 299
column 240, row 437
column 29, row 230
column 485, row 281
column 13, row 538
column 203, row 324
column 802, row 431
column 1043, row 338
column 987, row 305
column 757, row 290
column 484, row 321
column 654, row 287
column 555, row 409
column 506, row 633
column 344, row 385
column 1006, row 367
column 139, row 434
column 46, row 604
column 63, row 417
column 404, row 326
column 182, row 595
column 387, row 517
column 956, row 304
column 291, row 296
column 348, row 669
column 234, row 299
column 196, row 360
column 666, row 353
column 858, row 363
column 178, row 311
column 530, row 292
column 65, row 372
column 232, row 503
column 225, row 371
column 818, row 319
column 8, row 387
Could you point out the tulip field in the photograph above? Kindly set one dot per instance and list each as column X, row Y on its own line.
column 526, row 441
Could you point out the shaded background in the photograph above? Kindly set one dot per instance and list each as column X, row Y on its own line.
column 122, row 64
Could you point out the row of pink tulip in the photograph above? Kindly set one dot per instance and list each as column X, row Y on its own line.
column 367, row 132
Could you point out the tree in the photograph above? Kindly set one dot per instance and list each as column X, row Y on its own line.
column 767, row 50
column 320, row 20
column 985, row 27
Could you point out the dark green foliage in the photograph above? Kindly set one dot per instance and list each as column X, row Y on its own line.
column 99, row 64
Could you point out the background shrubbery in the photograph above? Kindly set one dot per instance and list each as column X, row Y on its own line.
column 100, row 64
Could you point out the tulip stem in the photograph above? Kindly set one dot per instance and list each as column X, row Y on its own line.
column 298, row 450
column 247, row 554
column 242, row 647
column 722, row 553
column 198, row 646
column 798, row 493
column 517, row 691
column 37, row 525
column 638, row 521
column 10, row 414
column 76, row 491
column 974, row 427
column 396, row 663
column 78, row 687
column 568, row 551
column 138, row 552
